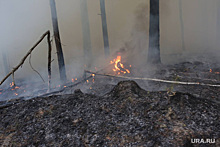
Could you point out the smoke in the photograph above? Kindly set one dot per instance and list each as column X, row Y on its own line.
column 23, row 22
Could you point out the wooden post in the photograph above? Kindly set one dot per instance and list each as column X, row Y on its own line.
column 104, row 28
column 86, row 33
column 61, row 62
column 154, row 33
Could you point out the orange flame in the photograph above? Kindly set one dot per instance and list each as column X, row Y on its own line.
column 118, row 66
column 12, row 84
column 211, row 71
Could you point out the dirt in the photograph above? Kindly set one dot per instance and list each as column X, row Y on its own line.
column 126, row 116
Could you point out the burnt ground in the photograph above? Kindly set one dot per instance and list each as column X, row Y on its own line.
column 113, row 112
column 126, row 116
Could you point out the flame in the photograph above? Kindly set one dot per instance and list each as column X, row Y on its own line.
column 17, row 87
column 12, row 84
column 119, row 68
column 211, row 71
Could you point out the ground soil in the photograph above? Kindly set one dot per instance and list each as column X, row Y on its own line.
column 125, row 116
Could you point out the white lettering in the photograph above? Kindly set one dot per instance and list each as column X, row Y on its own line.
column 202, row 140
column 212, row 140
column 207, row 140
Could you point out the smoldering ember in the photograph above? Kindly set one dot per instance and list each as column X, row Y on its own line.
column 110, row 73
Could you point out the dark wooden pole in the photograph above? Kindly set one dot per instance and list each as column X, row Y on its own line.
column 154, row 33
column 104, row 28
column 86, row 33
column 61, row 62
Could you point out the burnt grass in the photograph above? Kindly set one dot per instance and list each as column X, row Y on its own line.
column 126, row 116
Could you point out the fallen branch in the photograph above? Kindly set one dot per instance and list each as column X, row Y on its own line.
column 73, row 85
column 212, row 80
column 156, row 80
column 29, row 52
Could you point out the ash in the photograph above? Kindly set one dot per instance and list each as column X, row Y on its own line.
column 125, row 116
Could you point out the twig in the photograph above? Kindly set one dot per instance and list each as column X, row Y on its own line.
column 73, row 85
column 34, row 69
column 156, row 80
column 212, row 80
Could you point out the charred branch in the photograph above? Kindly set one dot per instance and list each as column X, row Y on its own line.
column 28, row 54
column 155, row 80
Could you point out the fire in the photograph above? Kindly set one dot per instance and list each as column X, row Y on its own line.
column 118, row 66
column 12, row 84
column 211, row 71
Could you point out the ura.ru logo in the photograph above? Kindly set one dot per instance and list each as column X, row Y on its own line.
column 203, row 140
